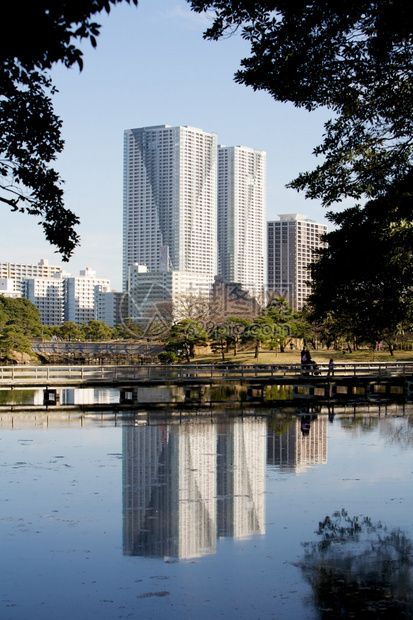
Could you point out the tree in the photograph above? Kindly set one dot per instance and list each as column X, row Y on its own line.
column 218, row 337
column 97, row 331
column 167, row 357
column 283, row 316
column 71, row 331
column 354, row 58
column 185, row 336
column 364, row 277
column 21, row 313
column 261, row 332
column 13, row 340
column 235, row 326
column 30, row 139
column 289, row 325
column 130, row 329
column 191, row 306
column 19, row 321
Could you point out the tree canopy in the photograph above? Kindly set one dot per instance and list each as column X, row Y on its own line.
column 22, row 313
column 185, row 336
column 19, row 321
column 364, row 276
column 354, row 58
column 49, row 31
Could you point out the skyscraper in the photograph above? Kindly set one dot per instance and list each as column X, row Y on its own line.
column 242, row 216
column 170, row 200
column 291, row 244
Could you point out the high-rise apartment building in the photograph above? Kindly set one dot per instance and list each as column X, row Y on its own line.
column 7, row 288
column 111, row 307
column 291, row 244
column 242, row 217
column 64, row 297
column 21, row 271
column 170, row 200
column 81, row 294
column 48, row 295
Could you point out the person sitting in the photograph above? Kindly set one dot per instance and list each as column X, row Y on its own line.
column 314, row 367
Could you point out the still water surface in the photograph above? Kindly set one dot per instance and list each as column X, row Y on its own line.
column 214, row 517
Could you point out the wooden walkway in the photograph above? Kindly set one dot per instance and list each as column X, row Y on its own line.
column 199, row 385
column 197, row 374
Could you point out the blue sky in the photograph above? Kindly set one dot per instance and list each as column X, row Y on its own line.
column 152, row 67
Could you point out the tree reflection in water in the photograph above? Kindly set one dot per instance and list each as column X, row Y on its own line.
column 360, row 569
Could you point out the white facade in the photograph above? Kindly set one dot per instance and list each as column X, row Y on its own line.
column 291, row 244
column 7, row 288
column 111, row 307
column 81, row 292
column 161, row 296
column 48, row 295
column 20, row 272
column 170, row 200
column 242, row 217
column 64, row 297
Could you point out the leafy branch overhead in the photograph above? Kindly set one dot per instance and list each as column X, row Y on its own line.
column 49, row 32
column 354, row 58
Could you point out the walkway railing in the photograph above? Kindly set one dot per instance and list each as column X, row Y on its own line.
column 107, row 375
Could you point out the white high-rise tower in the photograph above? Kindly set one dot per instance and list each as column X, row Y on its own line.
column 170, row 200
column 242, row 216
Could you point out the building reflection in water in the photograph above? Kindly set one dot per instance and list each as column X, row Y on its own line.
column 185, row 485
column 292, row 450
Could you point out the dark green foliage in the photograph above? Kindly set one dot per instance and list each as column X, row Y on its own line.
column 262, row 332
column 129, row 329
column 235, row 327
column 13, row 340
column 71, row 331
column 356, row 59
column 218, row 340
column 20, row 312
column 34, row 35
column 97, row 331
column 184, row 336
column 19, row 321
column 167, row 357
column 364, row 278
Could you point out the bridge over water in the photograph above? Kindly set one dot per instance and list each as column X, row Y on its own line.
column 108, row 375
column 392, row 380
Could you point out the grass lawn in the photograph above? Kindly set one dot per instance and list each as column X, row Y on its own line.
column 322, row 356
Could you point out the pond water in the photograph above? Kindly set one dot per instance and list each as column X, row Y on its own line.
column 241, row 517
